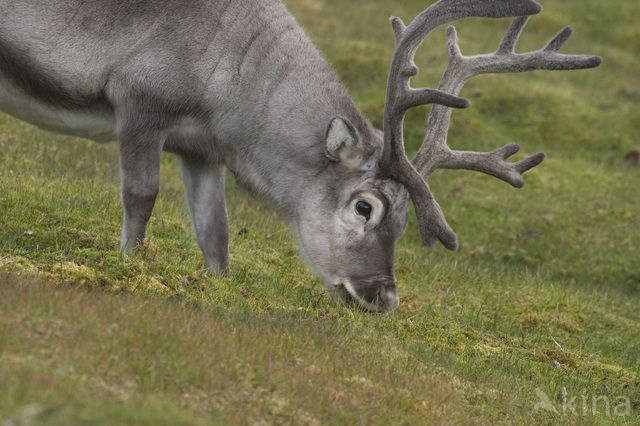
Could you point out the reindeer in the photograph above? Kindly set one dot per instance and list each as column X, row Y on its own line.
column 237, row 85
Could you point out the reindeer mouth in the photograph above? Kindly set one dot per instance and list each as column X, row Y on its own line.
column 340, row 295
column 385, row 299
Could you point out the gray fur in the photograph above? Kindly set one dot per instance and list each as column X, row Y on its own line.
column 234, row 84
column 204, row 188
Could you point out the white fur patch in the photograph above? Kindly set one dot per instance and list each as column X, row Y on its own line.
column 90, row 125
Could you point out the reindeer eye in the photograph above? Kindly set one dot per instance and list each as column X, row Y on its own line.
column 364, row 209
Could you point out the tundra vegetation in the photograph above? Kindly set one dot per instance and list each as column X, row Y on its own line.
column 541, row 299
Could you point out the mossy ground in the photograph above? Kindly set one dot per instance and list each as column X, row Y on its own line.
column 542, row 299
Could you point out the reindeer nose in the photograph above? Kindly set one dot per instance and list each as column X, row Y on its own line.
column 382, row 297
column 389, row 297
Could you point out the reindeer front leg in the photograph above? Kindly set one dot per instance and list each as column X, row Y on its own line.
column 204, row 189
column 139, row 150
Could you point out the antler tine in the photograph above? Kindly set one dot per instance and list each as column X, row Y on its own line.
column 434, row 152
column 401, row 97
column 508, row 43
column 556, row 43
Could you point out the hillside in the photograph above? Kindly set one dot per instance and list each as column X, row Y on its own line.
column 540, row 304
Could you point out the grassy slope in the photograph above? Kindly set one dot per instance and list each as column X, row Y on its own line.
column 543, row 295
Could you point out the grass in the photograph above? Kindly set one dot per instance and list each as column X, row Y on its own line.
column 542, row 298
column 156, row 360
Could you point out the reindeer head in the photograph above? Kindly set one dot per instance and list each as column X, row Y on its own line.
column 348, row 232
column 353, row 249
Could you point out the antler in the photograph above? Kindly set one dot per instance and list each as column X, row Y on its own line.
column 401, row 97
column 434, row 152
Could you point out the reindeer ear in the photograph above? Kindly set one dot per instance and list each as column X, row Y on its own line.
column 343, row 144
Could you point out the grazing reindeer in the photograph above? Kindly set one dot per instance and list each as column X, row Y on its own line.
column 237, row 84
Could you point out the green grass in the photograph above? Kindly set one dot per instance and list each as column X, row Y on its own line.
column 543, row 296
